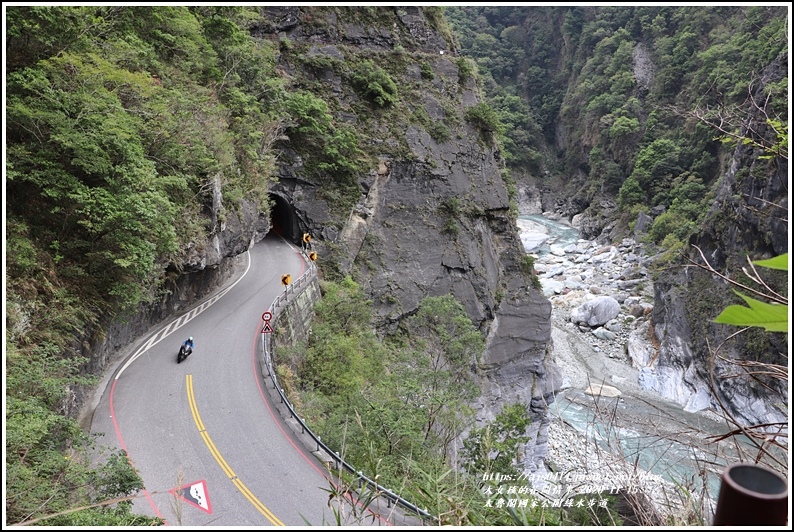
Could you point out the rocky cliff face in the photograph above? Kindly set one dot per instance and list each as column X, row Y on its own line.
column 686, row 303
column 748, row 218
column 433, row 215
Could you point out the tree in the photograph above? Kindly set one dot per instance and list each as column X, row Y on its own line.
column 484, row 117
column 79, row 161
column 342, row 346
column 446, row 346
column 495, row 448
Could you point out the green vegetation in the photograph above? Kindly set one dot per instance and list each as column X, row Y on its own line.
column 465, row 70
column 374, row 84
column 517, row 132
column 528, row 268
column 126, row 125
column 42, row 445
column 451, row 210
column 483, row 117
column 393, row 405
column 497, row 39
column 771, row 317
column 121, row 120
column 496, row 447
column 650, row 104
column 620, row 85
column 363, row 395
column 436, row 19
column 437, row 129
column 333, row 150
column 426, row 70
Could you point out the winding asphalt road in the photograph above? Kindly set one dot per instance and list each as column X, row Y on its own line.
column 207, row 425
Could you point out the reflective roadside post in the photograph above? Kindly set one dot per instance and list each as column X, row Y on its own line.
column 751, row 495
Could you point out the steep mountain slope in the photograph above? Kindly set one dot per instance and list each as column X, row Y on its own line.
column 143, row 149
column 149, row 146
column 429, row 213
column 640, row 109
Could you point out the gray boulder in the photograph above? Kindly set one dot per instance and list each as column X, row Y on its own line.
column 604, row 334
column 551, row 287
column 596, row 312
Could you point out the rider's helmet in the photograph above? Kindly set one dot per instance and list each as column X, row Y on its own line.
column 190, row 339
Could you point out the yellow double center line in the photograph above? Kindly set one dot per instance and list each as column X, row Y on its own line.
column 226, row 468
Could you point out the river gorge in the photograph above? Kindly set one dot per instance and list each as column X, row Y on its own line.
column 608, row 425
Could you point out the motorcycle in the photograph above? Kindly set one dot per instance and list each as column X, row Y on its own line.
column 184, row 352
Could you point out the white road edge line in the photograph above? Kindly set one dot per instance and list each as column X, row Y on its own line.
column 165, row 330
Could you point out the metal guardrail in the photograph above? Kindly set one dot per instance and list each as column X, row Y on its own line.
column 267, row 349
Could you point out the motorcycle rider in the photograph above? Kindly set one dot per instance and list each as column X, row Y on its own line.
column 188, row 345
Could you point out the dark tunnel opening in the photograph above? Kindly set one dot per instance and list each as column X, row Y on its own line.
column 283, row 219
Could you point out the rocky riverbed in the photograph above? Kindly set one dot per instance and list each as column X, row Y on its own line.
column 608, row 432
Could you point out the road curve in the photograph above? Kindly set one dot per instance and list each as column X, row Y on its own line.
column 206, row 424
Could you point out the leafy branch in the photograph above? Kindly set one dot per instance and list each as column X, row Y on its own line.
column 142, row 520
column 773, row 317
column 733, row 128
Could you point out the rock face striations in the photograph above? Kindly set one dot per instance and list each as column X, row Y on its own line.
column 748, row 218
column 431, row 215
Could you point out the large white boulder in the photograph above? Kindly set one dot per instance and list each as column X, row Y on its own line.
column 596, row 312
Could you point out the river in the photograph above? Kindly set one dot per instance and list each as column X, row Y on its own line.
column 653, row 434
column 538, row 233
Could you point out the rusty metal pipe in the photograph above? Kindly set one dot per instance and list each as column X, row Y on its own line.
column 751, row 495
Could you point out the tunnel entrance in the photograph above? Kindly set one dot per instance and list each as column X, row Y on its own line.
column 284, row 220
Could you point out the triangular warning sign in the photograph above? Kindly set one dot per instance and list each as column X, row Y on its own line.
column 196, row 494
column 267, row 329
